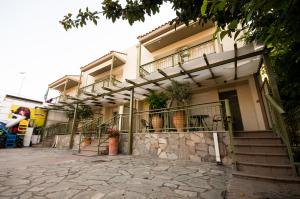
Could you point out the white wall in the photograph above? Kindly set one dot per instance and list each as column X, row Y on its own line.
column 56, row 117
column 5, row 106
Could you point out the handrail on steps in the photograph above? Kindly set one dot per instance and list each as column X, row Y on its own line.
column 109, row 121
column 277, row 117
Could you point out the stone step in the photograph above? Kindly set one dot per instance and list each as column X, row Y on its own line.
column 254, row 134
column 256, row 140
column 287, row 179
column 274, row 158
column 86, row 153
column 90, row 151
column 264, row 169
column 259, row 148
column 101, row 145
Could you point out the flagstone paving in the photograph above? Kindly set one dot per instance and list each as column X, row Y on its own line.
column 48, row 173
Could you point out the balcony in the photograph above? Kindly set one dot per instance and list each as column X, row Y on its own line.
column 97, row 86
column 184, row 55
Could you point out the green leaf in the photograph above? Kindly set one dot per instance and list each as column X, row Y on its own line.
column 204, row 7
column 233, row 24
column 223, row 34
column 236, row 34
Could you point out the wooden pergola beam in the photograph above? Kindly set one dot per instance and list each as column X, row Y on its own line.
column 136, row 85
column 209, row 67
column 108, row 98
column 188, row 74
column 131, row 82
column 164, row 74
column 107, row 89
column 219, row 63
column 155, row 83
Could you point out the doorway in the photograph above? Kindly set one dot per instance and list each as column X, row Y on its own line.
column 234, row 108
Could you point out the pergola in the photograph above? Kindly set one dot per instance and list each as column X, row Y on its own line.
column 215, row 68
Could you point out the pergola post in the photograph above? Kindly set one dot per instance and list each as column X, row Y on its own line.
column 130, row 130
column 72, row 130
column 72, row 127
column 111, row 69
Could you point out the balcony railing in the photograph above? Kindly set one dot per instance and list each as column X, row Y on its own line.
column 197, row 117
column 60, row 99
column 172, row 60
column 98, row 85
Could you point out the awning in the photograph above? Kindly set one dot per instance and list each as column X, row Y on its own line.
column 67, row 81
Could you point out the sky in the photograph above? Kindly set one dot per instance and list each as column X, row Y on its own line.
column 35, row 50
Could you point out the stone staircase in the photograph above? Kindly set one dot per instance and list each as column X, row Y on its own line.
column 261, row 155
column 92, row 149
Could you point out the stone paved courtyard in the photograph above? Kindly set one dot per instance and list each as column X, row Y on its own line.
column 50, row 173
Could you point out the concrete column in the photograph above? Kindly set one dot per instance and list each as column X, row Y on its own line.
column 72, row 128
column 130, row 131
column 121, row 111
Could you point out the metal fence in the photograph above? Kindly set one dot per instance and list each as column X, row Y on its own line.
column 197, row 117
column 56, row 129
column 98, row 85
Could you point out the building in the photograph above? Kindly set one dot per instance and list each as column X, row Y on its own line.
column 228, row 95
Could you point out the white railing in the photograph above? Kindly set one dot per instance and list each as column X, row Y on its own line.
column 186, row 54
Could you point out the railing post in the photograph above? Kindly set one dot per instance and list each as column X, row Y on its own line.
column 288, row 144
column 229, row 128
column 79, row 142
column 99, row 141
column 130, row 131
column 72, row 127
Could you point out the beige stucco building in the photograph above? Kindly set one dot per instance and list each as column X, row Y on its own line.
column 163, row 48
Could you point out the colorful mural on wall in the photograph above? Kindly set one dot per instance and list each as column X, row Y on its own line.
column 33, row 118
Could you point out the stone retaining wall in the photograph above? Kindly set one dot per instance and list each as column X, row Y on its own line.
column 196, row 146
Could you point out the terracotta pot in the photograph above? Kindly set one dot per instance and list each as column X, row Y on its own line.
column 179, row 120
column 113, row 144
column 157, row 123
column 87, row 141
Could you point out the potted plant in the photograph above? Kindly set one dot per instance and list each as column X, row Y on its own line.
column 113, row 141
column 157, row 101
column 179, row 94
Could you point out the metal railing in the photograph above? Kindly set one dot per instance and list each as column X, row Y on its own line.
column 186, row 54
column 98, row 85
column 197, row 117
column 293, row 121
column 55, row 129
column 57, row 99
column 278, row 120
column 95, row 130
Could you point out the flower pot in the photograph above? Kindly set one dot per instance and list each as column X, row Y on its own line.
column 179, row 120
column 87, row 141
column 157, row 123
column 113, row 143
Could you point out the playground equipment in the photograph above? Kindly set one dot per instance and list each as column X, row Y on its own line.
column 8, row 139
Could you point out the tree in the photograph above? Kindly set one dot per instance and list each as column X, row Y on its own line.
column 274, row 23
